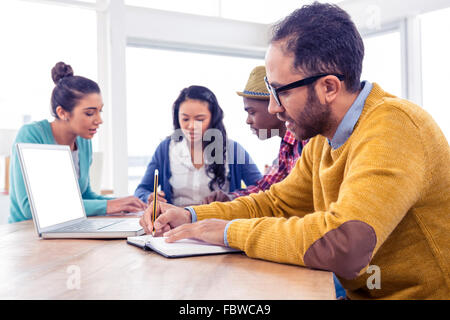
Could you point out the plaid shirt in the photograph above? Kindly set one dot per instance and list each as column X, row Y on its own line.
column 287, row 157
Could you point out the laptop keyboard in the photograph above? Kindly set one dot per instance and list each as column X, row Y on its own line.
column 88, row 225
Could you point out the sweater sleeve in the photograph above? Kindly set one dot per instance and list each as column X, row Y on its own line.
column 20, row 209
column 250, row 172
column 94, row 204
column 145, row 188
column 384, row 174
column 95, row 207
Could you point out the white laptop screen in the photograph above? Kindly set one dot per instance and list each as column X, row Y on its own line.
column 52, row 184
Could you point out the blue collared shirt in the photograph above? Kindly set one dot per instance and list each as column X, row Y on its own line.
column 343, row 132
column 345, row 128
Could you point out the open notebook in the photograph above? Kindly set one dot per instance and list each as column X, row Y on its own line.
column 178, row 249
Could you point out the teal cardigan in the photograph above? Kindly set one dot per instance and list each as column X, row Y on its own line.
column 41, row 132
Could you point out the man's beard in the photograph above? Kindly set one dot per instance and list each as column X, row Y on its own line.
column 315, row 118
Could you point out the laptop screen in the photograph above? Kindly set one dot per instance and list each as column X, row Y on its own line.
column 52, row 184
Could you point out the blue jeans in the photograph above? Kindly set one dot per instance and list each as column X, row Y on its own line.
column 340, row 291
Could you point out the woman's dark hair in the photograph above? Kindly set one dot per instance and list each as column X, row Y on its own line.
column 69, row 89
column 323, row 39
column 216, row 171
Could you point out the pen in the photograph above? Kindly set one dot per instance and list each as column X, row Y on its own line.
column 155, row 199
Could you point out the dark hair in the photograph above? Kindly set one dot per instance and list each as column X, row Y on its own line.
column 69, row 89
column 217, row 170
column 323, row 39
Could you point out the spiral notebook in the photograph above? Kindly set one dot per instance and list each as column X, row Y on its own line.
column 178, row 249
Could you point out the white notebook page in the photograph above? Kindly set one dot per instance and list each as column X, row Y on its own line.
column 184, row 247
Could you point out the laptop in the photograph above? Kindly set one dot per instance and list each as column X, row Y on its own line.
column 55, row 199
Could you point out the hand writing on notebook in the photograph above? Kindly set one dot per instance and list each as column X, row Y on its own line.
column 174, row 216
column 175, row 224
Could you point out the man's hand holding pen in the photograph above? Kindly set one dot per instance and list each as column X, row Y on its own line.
column 175, row 223
column 173, row 217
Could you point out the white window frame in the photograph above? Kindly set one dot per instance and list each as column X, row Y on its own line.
column 388, row 28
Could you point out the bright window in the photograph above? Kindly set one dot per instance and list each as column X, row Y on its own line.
column 154, row 80
column 436, row 67
column 382, row 61
column 34, row 37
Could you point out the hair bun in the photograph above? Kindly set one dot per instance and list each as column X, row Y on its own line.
column 61, row 70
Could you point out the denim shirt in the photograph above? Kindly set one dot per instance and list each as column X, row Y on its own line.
column 345, row 128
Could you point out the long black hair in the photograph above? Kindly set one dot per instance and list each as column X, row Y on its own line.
column 216, row 171
column 69, row 89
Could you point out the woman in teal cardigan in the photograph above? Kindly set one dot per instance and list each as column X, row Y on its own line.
column 76, row 105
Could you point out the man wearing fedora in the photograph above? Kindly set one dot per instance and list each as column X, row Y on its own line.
column 368, row 199
column 265, row 126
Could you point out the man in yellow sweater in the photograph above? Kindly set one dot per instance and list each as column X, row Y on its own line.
column 371, row 189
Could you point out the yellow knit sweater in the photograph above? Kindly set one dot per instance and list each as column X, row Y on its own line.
column 382, row 199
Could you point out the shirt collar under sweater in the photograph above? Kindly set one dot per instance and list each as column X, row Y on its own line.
column 345, row 128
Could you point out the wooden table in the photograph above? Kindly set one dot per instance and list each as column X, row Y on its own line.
column 31, row 268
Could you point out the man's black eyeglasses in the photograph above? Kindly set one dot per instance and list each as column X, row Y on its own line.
column 296, row 84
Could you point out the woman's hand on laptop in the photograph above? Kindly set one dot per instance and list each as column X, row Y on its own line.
column 126, row 204
column 167, row 217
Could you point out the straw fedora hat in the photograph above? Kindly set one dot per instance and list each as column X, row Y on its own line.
column 256, row 88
